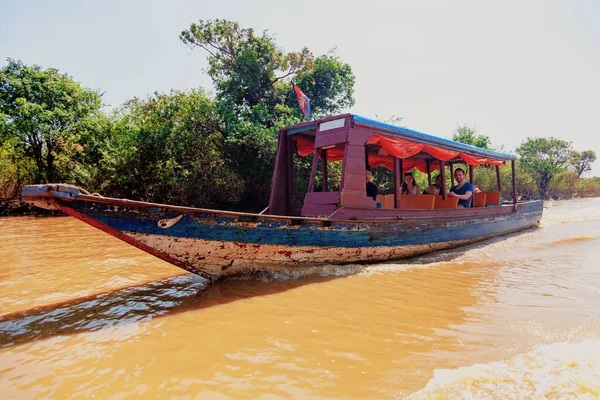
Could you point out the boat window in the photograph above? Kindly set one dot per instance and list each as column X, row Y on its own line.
column 328, row 176
column 302, row 166
column 302, row 169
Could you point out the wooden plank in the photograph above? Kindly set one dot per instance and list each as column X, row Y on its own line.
column 344, row 169
column 324, row 169
column 472, row 182
column 358, row 137
column 387, row 215
column 449, row 202
column 386, row 200
column 428, row 166
column 313, row 198
column 355, row 182
column 417, row 202
column 329, row 139
column 356, row 198
column 389, row 201
column 397, row 180
column 313, row 171
column 479, row 199
column 498, row 178
column 354, row 151
column 514, row 185
column 443, row 172
column 355, row 165
column 320, row 210
column 492, row 198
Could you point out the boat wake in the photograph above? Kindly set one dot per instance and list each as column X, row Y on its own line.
column 555, row 371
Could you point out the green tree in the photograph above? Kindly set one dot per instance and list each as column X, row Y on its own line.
column 42, row 112
column 168, row 149
column 543, row 158
column 468, row 135
column 582, row 161
column 243, row 65
column 252, row 77
column 329, row 85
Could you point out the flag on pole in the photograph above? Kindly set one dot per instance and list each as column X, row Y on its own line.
column 303, row 101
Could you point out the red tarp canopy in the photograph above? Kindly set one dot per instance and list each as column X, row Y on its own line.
column 400, row 148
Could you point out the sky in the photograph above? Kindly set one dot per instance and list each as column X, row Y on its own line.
column 510, row 69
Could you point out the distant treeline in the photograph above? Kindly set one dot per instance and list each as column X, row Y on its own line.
column 194, row 149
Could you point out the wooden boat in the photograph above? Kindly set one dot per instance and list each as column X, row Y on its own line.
column 336, row 224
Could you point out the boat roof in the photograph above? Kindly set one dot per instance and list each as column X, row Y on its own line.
column 401, row 132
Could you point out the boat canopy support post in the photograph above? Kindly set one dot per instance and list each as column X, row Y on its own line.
column 313, row 171
column 428, row 164
column 471, row 178
column 514, row 185
column 443, row 172
column 498, row 178
column 451, row 174
column 324, row 169
column 397, row 181
column 280, row 201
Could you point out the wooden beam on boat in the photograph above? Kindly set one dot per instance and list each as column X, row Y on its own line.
column 324, row 169
column 514, row 185
column 397, row 180
column 443, row 172
column 471, row 179
column 290, row 177
column 498, row 178
column 451, row 174
column 313, row 171
column 428, row 164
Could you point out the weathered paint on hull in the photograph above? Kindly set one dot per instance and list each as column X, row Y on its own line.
column 219, row 259
column 214, row 243
column 216, row 246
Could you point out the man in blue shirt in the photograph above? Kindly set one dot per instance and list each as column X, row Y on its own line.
column 463, row 190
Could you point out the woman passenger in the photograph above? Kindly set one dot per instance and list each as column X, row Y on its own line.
column 409, row 186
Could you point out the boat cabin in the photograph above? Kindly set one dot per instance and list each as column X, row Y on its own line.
column 358, row 143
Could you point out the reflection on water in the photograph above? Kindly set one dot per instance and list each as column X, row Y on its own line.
column 83, row 314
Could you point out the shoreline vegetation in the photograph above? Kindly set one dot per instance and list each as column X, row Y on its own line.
column 214, row 151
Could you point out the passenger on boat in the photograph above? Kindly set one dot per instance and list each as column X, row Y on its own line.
column 435, row 188
column 371, row 187
column 463, row 190
column 409, row 186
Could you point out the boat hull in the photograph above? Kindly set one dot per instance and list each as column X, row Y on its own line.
column 217, row 243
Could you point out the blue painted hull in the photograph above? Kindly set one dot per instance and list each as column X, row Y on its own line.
column 216, row 243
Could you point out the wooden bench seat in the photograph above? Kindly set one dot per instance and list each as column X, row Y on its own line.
column 492, row 198
column 479, row 199
column 450, row 202
column 416, row 201
column 387, row 200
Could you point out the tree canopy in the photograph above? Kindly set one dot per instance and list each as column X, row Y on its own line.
column 468, row 135
column 42, row 112
column 582, row 161
column 252, row 77
column 545, row 158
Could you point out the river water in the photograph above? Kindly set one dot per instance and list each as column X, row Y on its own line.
column 83, row 314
